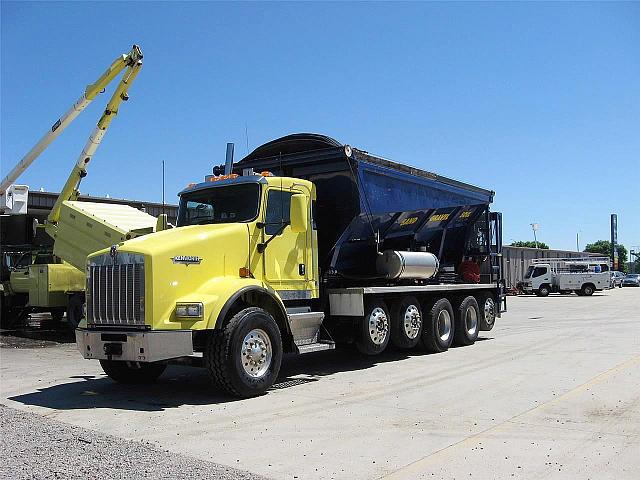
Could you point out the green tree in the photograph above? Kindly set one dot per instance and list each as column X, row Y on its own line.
column 530, row 244
column 604, row 248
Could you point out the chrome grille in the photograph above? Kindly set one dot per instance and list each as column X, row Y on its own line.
column 115, row 290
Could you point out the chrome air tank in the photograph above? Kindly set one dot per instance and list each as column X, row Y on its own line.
column 396, row 265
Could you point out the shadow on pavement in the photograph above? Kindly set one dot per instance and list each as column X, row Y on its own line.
column 36, row 333
column 182, row 385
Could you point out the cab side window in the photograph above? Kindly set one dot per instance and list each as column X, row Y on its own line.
column 539, row 271
column 278, row 211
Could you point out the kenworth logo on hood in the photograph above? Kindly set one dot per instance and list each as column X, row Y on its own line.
column 186, row 259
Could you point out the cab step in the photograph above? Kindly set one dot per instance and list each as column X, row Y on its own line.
column 317, row 347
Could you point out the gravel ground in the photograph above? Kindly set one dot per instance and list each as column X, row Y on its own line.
column 35, row 447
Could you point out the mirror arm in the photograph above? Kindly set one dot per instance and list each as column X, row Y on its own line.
column 263, row 246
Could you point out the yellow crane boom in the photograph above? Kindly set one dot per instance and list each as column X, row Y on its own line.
column 132, row 62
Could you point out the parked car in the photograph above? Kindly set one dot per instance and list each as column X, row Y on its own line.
column 616, row 279
column 631, row 280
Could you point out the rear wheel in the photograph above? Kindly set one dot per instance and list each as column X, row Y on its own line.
column 467, row 322
column 438, row 326
column 587, row 290
column 374, row 328
column 487, row 308
column 132, row 372
column 244, row 357
column 406, row 322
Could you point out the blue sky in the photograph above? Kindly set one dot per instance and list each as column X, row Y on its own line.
column 539, row 102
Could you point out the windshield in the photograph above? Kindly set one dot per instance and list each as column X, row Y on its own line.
column 228, row 204
column 529, row 272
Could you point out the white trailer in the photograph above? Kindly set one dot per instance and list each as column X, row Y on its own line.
column 566, row 275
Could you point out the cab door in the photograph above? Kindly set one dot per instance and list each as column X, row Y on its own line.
column 285, row 256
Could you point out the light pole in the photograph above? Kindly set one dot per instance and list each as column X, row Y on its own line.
column 578, row 240
column 534, row 227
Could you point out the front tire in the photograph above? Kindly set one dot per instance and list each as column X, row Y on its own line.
column 467, row 322
column 543, row 291
column 438, row 327
column 244, row 357
column 406, row 323
column 132, row 373
column 374, row 334
column 74, row 311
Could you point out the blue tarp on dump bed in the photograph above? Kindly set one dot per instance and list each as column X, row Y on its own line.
column 354, row 186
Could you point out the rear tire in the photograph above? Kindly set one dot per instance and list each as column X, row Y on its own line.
column 244, row 357
column 438, row 326
column 374, row 332
column 467, row 322
column 487, row 308
column 406, row 322
column 132, row 373
column 587, row 290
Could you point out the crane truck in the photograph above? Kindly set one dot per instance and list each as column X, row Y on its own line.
column 303, row 243
column 78, row 228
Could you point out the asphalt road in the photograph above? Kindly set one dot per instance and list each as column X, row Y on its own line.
column 552, row 392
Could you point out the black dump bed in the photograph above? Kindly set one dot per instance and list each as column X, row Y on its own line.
column 365, row 203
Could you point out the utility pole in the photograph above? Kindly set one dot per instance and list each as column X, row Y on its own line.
column 577, row 241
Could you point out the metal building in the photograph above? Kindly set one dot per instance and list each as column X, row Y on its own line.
column 516, row 260
column 19, row 230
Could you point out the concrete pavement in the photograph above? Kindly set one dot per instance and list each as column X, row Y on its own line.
column 552, row 392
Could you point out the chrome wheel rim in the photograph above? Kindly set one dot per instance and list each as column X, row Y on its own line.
column 412, row 322
column 471, row 320
column 378, row 326
column 256, row 353
column 489, row 311
column 444, row 325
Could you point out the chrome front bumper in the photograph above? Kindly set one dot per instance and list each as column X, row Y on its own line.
column 148, row 346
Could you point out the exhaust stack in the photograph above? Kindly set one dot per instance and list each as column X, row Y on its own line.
column 228, row 166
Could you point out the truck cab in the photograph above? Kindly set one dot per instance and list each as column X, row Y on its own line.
column 538, row 279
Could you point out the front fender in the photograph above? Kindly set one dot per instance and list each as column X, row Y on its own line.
column 217, row 296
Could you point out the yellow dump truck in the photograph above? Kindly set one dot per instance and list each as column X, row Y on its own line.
column 337, row 245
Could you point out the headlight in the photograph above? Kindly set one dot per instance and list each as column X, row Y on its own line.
column 189, row 310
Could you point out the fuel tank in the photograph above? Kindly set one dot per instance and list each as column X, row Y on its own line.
column 397, row 265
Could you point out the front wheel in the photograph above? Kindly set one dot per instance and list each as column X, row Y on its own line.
column 244, row 357
column 543, row 291
column 75, row 311
column 132, row 373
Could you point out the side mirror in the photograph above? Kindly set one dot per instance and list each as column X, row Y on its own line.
column 298, row 213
